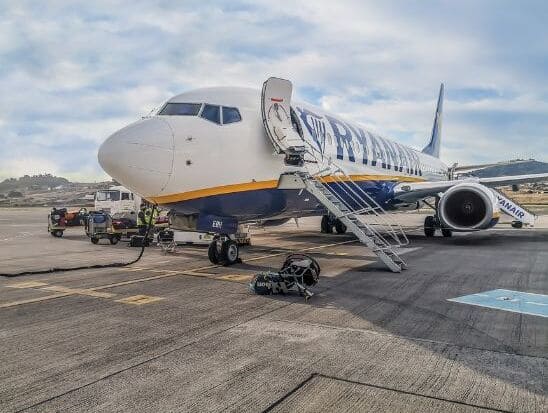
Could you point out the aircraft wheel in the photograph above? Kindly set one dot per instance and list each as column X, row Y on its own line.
column 517, row 224
column 340, row 227
column 230, row 252
column 213, row 252
column 446, row 232
column 94, row 240
column 429, row 226
column 326, row 226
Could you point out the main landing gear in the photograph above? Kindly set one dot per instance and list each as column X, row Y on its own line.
column 223, row 250
column 329, row 222
column 431, row 223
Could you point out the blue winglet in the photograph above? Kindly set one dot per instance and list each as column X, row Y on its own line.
column 433, row 147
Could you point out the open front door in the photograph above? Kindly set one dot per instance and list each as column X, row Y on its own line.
column 276, row 112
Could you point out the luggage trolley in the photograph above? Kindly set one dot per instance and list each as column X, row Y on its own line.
column 99, row 226
column 57, row 222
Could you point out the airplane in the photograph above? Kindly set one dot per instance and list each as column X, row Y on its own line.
column 221, row 156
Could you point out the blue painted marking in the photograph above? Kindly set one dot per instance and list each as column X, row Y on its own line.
column 263, row 203
column 508, row 300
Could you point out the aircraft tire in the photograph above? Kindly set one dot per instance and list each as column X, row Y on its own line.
column 429, row 226
column 213, row 252
column 326, row 226
column 446, row 232
column 230, row 252
column 517, row 224
column 340, row 227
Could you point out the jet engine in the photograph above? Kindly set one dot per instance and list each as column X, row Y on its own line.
column 468, row 207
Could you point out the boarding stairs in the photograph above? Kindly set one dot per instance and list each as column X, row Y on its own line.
column 347, row 202
column 513, row 209
column 326, row 181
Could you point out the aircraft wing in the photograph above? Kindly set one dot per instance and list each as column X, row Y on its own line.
column 467, row 168
column 412, row 191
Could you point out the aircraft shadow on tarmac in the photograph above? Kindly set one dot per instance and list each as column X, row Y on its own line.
column 412, row 305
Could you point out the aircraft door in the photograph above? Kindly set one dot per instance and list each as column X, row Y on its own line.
column 276, row 114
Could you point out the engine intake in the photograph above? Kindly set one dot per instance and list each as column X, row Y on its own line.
column 468, row 207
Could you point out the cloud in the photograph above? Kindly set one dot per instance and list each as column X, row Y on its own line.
column 74, row 72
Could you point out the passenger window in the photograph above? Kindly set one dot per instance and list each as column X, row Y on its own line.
column 231, row 115
column 212, row 113
column 181, row 109
column 125, row 196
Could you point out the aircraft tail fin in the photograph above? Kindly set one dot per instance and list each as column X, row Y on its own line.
column 433, row 147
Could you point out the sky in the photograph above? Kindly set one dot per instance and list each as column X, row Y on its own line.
column 73, row 72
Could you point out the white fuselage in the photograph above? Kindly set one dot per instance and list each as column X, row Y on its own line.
column 195, row 165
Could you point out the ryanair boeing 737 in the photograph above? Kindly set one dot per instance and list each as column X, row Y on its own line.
column 219, row 157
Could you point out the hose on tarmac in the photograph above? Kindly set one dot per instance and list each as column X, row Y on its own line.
column 93, row 266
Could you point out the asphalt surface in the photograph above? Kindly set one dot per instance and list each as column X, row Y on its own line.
column 174, row 333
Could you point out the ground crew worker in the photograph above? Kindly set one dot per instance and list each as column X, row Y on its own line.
column 143, row 218
column 141, row 224
column 148, row 212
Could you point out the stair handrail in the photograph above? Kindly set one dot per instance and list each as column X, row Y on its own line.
column 393, row 229
column 359, row 196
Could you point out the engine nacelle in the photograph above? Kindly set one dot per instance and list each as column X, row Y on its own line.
column 468, row 207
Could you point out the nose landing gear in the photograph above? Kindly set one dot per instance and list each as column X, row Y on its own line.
column 224, row 251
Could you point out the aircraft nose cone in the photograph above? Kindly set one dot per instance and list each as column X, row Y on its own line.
column 140, row 156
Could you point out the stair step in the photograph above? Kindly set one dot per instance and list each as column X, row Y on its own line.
column 366, row 234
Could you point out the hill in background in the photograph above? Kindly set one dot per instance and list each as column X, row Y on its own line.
column 32, row 182
column 47, row 190
column 518, row 168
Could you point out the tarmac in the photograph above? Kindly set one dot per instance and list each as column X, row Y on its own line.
column 176, row 333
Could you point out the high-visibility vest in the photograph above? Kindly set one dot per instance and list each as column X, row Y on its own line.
column 149, row 211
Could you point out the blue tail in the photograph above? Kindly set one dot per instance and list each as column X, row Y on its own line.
column 433, row 147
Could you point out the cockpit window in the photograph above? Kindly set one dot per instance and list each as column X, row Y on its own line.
column 212, row 113
column 181, row 109
column 231, row 115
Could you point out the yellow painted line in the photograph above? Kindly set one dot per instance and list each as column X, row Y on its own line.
column 139, row 299
column 78, row 291
column 236, row 277
column 27, row 284
column 65, row 292
column 299, row 251
column 194, row 271
column 132, row 269
column 33, row 300
column 165, row 271
column 198, row 274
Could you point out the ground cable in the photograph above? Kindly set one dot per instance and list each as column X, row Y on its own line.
column 94, row 266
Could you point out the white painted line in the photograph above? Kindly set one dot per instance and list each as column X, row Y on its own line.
column 498, row 308
column 403, row 251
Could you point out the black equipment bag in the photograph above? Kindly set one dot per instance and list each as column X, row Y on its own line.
column 138, row 241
